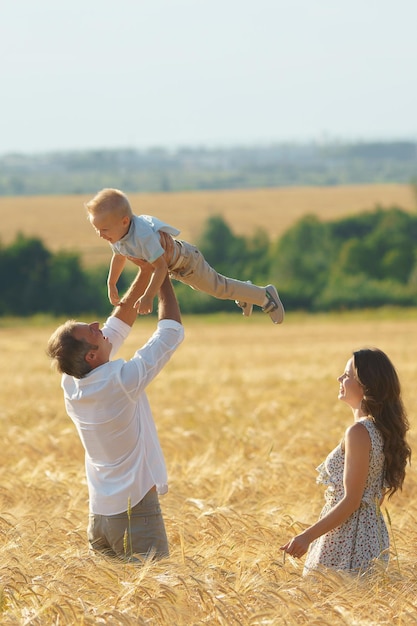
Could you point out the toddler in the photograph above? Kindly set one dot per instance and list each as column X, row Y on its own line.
column 146, row 238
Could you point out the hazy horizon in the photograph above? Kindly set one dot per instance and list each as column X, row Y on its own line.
column 174, row 149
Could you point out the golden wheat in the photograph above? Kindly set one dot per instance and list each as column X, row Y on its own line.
column 60, row 221
column 245, row 412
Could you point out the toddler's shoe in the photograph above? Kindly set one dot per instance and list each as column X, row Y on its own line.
column 274, row 307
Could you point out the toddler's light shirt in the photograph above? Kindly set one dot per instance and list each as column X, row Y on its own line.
column 142, row 240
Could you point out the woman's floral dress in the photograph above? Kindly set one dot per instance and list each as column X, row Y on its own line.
column 363, row 537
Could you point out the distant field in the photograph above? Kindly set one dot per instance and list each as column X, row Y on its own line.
column 61, row 221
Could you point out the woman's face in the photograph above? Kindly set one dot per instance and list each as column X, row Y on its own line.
column 350, row 390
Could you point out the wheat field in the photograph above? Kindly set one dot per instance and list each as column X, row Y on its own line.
column 60, row 221
column 245, row 411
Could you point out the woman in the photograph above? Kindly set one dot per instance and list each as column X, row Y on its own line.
column 368, row 464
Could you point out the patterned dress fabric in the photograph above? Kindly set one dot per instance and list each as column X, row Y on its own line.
column 363, row 537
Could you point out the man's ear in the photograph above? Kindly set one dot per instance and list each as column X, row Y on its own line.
column 91, row 356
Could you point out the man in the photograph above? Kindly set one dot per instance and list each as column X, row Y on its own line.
column 106, row 400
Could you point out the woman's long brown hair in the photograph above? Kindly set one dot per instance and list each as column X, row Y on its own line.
column 382, row 400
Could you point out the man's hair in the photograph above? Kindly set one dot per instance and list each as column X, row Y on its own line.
column 68, row 353
column 109, row 201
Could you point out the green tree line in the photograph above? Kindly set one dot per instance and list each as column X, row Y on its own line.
column 364, row 261
column 368, row 260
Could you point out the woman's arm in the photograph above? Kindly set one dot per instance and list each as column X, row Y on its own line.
column 357, row 448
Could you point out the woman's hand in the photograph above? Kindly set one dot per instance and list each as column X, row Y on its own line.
column 297, row 546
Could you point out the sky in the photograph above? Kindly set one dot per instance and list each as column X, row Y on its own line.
column 94, row 74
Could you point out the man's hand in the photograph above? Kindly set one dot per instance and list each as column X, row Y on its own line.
column 168, row 244
column 144, row 305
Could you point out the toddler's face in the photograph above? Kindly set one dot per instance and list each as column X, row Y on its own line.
column 110, row 227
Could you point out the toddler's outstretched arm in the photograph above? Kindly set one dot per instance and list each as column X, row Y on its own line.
column 117, row 264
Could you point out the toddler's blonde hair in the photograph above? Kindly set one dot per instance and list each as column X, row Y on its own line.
column 109, row 201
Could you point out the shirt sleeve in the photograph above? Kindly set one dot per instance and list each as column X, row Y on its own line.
column 148, row 361
column 116, row 332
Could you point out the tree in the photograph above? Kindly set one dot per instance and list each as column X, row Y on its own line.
column 302, row 260
column 71, row 290
column 24, row 276
column 36, row 281
column 219, row 245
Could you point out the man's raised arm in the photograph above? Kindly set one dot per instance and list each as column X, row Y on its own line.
column 168, row 308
